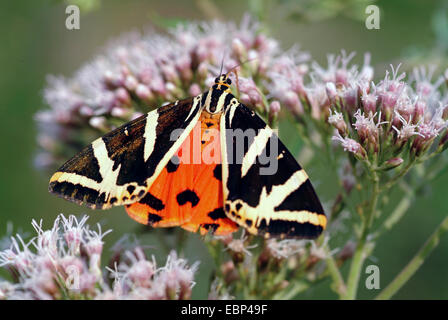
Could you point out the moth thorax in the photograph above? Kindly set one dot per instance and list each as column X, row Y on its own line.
column 215, row 100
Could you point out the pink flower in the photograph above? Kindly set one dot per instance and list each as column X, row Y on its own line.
column 66, row 272
column 337, row 121
column 350, row 145
column 407, row 129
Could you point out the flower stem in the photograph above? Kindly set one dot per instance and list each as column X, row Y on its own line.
column 292, row 290
column 397, row 177
column 333, row 269
column 360, row 252
column 397, row 213
column 415, row 263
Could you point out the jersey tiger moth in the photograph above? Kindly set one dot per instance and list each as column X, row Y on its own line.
column 149, row 166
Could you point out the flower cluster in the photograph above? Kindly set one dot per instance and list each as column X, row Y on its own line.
column 140, row 72
column 270, row 268
column 389, row 121
column 65, row 263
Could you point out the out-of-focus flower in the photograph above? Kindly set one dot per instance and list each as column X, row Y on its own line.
column 240, row 245
column 286, row 248
column 217, row 292
column 139, row 72
column 65, row 264
column 229, row 272
column 6, row 289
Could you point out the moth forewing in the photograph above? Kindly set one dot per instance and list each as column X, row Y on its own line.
column 118, row 168
column 281, row 203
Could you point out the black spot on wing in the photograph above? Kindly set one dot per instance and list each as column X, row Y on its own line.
column 289, row 229
column 217, row 214
column 303, row 198
column 217, row 172
column 210, row 226
column 153, row 218
column 130, row 189
column 187, row 196
column 153, row 202
column 101, row 200
column 173, row 164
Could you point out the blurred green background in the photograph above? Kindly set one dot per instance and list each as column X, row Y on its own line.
column 34, row 42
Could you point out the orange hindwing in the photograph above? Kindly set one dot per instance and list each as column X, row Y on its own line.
column 188, row 191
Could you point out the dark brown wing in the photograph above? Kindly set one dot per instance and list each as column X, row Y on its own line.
column 118, row 168
column 265, row 189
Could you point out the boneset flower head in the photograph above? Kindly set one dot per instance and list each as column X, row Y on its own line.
column 141, row 71
column 387, row 115
column 50, row 266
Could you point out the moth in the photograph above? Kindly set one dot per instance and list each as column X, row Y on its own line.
column 155, row 167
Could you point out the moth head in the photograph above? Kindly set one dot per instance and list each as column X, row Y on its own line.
column 223, row 80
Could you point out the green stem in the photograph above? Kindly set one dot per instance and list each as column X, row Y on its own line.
column 397, row 214
column 335, row 274
column 360, row 252
column 292, row 290
column 403, row 172
column 215, row 251
column 415, row 263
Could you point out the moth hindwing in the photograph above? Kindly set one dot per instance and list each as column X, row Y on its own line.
column 117, row 168
column 265, row 189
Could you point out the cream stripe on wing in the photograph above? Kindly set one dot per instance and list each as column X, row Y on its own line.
column 255, row 149
column 150, row 133
column 105, row 164
column 178, row 142
column 232, row 113
column 221, row 101
column 75, row 178
column 193, row 107
column 223, row 133
column 278, row 194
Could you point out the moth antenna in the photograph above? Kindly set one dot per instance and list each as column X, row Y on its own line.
column 235, row 72
column 222, row 62
column 231, row 69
